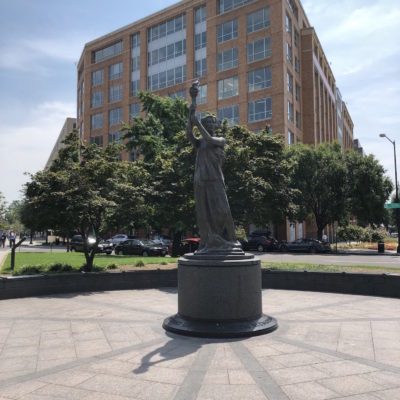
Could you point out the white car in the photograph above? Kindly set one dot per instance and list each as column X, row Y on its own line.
column 117, row 239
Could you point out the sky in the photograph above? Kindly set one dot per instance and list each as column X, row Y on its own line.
column 41, row 42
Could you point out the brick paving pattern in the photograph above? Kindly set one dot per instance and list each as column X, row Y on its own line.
column 111, row 346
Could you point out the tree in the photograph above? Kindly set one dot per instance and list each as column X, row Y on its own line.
column 368, row 186
column 319, row 177
column 82, row 191
column 3, row 208
column 257, row 177
column 334, row 186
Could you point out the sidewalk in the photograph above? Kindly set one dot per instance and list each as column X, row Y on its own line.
column 3, row 255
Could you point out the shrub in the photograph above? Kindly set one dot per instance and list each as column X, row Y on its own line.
column 112, row 266
column 30, row 270
column 164, row 263
column 139, row 263
column 59, row 267
column 350, row 233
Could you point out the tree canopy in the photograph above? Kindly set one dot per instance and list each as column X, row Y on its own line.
column 333, row 185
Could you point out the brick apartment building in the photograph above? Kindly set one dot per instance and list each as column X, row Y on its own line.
column 258, row 61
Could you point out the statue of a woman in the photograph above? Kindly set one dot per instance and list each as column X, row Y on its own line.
column 214, row 219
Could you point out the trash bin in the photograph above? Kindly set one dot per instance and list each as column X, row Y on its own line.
column 381, row 247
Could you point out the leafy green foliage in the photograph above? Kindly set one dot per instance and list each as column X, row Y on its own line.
column 332, row 185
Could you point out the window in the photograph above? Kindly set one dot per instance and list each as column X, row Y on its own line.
column 167, row 78
column 200, row 14
column 180, row 94
column 166, row 52
column 135, row 87
column 297, row 65
column 115, row 94
column 230, row 113
column 115, row 137
column 298, row 120
column 227, row 31
column 135, row 63
column 202, row 97
column 258, row 20
column 115, row 116
column 97, row 140
column 259, row 79
column 290, row 138
column 297, row 92
column 107, row 52
column 228, row 87
column 96, row 121
column 259, row 49
column 115, row 71
column 296, row 38
column 288, row 24
column 200, row 40
column 290, row 111
column 200, row 68
column 227, row 59
column 167, row 28
column 134, row 110
column 289, row 53
column 289, row 82
column 227, row 5
column 135, row 40
column 260, row 110
column 97, row 77
column 97, row 99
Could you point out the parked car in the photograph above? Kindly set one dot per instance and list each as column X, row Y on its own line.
column 189, row 245
column 260, row 243
column 76, row 244
column 117, row 239
column 140, row 247
column 307, row 245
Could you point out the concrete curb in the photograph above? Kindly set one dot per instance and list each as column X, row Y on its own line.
column 348, row 283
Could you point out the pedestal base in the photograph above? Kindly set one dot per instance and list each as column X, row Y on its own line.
column 219, row 296
column 221, row 329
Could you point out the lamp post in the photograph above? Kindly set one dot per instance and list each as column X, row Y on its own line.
column 397, row 190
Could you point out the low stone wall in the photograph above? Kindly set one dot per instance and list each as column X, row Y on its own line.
column 39, row 285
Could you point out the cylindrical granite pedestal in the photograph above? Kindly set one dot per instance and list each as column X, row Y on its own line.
column 219, row 296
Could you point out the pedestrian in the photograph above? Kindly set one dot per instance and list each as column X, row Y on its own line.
column 11, row 239
column 3, row 239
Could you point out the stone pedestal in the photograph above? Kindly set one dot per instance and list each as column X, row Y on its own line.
column 219, row 296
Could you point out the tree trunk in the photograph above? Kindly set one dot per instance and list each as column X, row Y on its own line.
column 320, row 231
column 176, row 244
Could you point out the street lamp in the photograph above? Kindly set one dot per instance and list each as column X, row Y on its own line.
column 397, row 190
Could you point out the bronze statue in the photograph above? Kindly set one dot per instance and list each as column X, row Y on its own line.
column 214, row 219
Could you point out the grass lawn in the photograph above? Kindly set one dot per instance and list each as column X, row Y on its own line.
column 371, row 269
column 76, row 260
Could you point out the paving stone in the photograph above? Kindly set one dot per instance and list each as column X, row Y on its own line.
column 229, row 392
column 21, row 389
column 309, row 391
column 349, row 385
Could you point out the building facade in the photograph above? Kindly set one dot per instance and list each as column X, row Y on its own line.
column 68, row 127
column 259, row 63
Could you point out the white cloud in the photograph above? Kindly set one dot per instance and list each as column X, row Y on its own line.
column 26, row 145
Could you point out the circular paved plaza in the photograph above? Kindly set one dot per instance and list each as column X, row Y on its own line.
column 111, row 346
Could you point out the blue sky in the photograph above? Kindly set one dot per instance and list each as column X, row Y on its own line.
column 41, row 41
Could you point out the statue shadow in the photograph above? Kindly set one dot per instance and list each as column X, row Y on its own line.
column 176, row 348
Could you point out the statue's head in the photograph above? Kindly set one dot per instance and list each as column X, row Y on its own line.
column 211, row 124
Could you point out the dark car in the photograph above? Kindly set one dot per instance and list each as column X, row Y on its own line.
column 307, row 245
column 189, row 245
column 140, row 247
column 76, row 244
column 260, row 243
